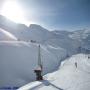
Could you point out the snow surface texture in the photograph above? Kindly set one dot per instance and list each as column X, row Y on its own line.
column 19, row 50
column 67, row 77
column 19, row 59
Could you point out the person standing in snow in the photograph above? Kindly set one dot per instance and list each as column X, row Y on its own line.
column 76, row 64
column 89, row 56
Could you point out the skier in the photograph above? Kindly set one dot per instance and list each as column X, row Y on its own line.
column 76, row 64
column 89, row 56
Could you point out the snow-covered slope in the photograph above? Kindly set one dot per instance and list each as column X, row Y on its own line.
column 83, row 36
column 6, row 36
column 40, row 34
column 71, row 41
column 22, row 32
column 80, row 34
column 68, row 77
column 63, row 39
column 18, row 59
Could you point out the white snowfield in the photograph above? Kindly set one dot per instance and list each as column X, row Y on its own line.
column 19, row 52
column 18, row 59
column 73, row 74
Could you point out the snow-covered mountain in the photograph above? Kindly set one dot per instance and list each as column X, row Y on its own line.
column 19, row 50
column 69, row 76
column 80, row 34
column 22, row 32
column 65, row 39
column 83, row 36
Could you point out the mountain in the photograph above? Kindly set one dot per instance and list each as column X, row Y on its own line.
column 83, row 36
column 71, row 41
column 22, row 32
column 39, row 32
column 41, row 35
column 61, row 39
column 80, row 34
column 19, row 50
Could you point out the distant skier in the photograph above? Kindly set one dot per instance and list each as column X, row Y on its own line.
column 88, row 56
column 76, row 64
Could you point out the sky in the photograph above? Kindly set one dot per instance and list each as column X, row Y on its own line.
column 56, row 14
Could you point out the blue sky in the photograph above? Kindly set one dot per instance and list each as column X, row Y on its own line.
column 58, row 14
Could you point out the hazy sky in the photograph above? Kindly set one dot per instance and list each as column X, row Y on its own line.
column 57, row 14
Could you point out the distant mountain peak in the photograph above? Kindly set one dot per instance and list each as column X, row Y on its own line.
column 36, row 26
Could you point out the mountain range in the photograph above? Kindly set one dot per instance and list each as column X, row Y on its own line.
column 19, row 50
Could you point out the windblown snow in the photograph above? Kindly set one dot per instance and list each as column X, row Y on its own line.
column 6, row 36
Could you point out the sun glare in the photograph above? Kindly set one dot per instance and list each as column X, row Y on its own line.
column 13, row 11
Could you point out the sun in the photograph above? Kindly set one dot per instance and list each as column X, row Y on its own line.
column 13, row 11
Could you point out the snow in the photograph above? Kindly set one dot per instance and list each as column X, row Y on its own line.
column 80, row 34
column 19, row 59
column 67, row 77
column 5, row 35
column 19, row 54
